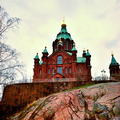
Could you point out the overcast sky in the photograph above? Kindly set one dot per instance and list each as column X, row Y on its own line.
column 93, row 25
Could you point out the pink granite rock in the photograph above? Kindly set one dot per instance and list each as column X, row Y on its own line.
column 98, row 102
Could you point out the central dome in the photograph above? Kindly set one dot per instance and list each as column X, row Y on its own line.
column 63, row 40
column 63, row 33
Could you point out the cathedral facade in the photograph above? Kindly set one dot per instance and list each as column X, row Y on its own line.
column 63, row 63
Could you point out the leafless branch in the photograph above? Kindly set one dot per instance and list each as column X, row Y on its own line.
column 9, row 63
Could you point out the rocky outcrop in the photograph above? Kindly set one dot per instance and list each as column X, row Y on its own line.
column 98, row 102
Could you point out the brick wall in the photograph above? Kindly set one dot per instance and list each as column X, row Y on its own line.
column 17, row 96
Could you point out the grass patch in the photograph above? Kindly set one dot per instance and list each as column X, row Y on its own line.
column 81, row 86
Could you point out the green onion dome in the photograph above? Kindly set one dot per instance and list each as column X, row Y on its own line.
column 63, row 33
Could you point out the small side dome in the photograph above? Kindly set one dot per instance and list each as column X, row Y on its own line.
column 40, row 62
column 45, row 50
column 87, row 53
column 37, row 56
column 73, row 49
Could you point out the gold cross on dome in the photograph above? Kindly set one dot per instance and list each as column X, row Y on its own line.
column 63, row 21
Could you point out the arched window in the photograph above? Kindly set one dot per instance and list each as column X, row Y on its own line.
column 59, row 70
column 66, row 70
column 49, row 71
column 53, row 71
column 69, row 70
column 66, row 45
column 40, row 72
column 79, row 70
column 59, row 60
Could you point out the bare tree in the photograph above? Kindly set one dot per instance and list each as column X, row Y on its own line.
column 6, row 22
column 9, row 63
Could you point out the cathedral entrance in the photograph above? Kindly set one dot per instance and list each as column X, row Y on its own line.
column 57, row 76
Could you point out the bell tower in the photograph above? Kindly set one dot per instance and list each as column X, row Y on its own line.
column 114, row 68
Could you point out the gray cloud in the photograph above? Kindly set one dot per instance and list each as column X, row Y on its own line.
column 112, row 43
column 68, row 7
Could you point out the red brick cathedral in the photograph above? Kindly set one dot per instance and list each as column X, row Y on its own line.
column 63, row 63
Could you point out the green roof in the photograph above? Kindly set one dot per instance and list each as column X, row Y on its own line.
column 81, row 59
column 37, row 57
column 40, row 62
column 113, row 61
column 63, row 33
column 45, row 50
column 74, row 49
column 64, row 36
column 88, row 54
column 69, row 53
